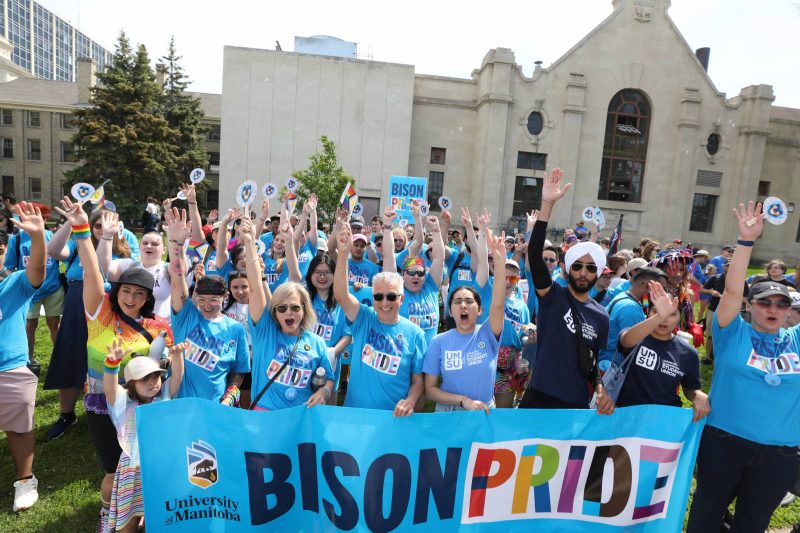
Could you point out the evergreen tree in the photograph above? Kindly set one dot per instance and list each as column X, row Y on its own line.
column 325, row 178
column 183, row 113
column 124, row 135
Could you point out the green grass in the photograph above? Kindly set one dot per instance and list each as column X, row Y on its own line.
column 69, row 472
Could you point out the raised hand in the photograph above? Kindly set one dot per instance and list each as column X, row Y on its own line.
column 433, row 224
column 30, row 218
column 246, row 231
column 343, row 239
column 446, row 216
column 199, row 271
column 110, row 222
column 415, row 209
column 230, row 214
column 176, row 351
column 286, row 231
column 532, row 217
column 466, row 220
column 73, row 212
column 116, row 351
column 664, row 304
column 484, row 219
column 177, row 226
column 189, row 190
column 213, row 216
column 552, row 190
column 312, row 202
column 751, row 221
column 342, row 216
column 167, row 204
column 496, row 245
column 389, row 216
column 265, row 209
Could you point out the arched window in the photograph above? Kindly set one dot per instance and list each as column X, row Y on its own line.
column 625, row 147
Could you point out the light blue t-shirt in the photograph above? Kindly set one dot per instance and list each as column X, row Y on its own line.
column 362, row 271
column 73, row 262
column 467, row 362
column 130, row 238
column 306, row 253
column 215, row 349
column 267, row 239
column 271, row 348
column 422, row 308
column 274, row 278
column 16, row 294
column 461, row 276
column 623, row 312
column 210, row 265
column 51, row 282
column 619, row 289
column 516, row 311
column 331, row 324
column 383, row 360
column 742, row 402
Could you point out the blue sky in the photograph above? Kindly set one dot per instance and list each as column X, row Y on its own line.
column 750, row 41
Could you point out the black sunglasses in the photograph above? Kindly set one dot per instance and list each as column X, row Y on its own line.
column 415, row 273
column 577, row 266
column 766, row 304
column 296, row 308
column 392, row 296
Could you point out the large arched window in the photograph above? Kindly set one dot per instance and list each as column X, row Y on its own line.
column 625, row 147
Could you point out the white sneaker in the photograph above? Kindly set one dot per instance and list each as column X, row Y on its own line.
column 25, row 493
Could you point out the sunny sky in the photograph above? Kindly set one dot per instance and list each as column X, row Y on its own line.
column 750, row 41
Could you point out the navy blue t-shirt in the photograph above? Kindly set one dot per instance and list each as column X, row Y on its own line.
column 658, row 367
column 557, row 372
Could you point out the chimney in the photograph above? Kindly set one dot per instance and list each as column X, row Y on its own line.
column 87, row 78
column 703, row 54
column 161, row 73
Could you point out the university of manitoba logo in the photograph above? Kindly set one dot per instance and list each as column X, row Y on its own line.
column 201, row 459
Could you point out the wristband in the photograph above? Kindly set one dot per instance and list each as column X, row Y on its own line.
column 192, row 203
column 327, row 392
column 231, row 396
column 81, row 231
column 387, row 227
column 111, row 365
column 108, row 239
column 740, row 242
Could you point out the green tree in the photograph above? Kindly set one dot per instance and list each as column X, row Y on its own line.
column 124, row 136
column 184, row 113
column 325, row 178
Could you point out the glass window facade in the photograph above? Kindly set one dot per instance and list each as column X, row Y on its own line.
column 2, row 17
column 83, row 46
column 42, row 42
column 99, row 56
column 19, row 32
column 65, row 51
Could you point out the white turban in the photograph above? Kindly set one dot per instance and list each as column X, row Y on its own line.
column 583, row 248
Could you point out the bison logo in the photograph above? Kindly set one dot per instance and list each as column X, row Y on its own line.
column 201, row 460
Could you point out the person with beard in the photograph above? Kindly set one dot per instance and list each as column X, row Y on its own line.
column 558, row 381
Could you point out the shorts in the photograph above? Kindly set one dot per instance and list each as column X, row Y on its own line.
column 53, row 305
column 17, row 399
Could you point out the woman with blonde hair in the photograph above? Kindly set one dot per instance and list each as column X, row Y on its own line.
column 286, row 352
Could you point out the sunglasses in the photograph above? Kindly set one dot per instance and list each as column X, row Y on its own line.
column 549, row 259
column 282, row 308
column 392, row 296
column 577, row 266
column 512, row 279
column 414, row 273
column 468, row 301
column 766, row 304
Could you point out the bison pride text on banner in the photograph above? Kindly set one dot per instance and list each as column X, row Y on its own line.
column 209, row 467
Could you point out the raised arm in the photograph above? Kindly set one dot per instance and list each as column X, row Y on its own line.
column 31, row 222
column 469, row 232
column 664, row 305
column 93, row 289
column 482, row 251
column 389, row 260
column 222, row 237
column 57, row 245
column 341, row 291
column 178, row 229
column 291, row 263
column 437, row 264
column 116, row 353
column 194, row 212
column 262, row 218
column 497, row 311
column 552, row 192
column 312, row 220
column 110, row 222
column 751, row 225
column 176, row 354
column 259, row 291
column 340, row 220
column 419, row 232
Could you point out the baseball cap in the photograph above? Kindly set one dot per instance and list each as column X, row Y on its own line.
column 795, row 296
column 765, row 289
column 728, row 248
column 702, row 252
column 137, row 276
column 636, row 262
column 510, row 239
column 606, row 270
column 512, row 263
column 360, row 237
column 357, row 220
column 212, row 285
column 140, row 367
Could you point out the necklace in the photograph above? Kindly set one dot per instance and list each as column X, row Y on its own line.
column 771, row 348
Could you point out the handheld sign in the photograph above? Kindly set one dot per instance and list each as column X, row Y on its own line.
column 775, row 211
column 246, row 193
column 588, row 214
column 261, row 247
column 358, row 209
column 444, row 202
column 292, row 184
column 270, row 190
column 82, row 191
column 197, row 175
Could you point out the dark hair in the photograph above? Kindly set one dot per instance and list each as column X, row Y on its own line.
column 649, row 273
column 556, row 250
column 326, row 259
column 615, row 262
column 9, row 227
column 119, row 246
column 236, row 252
column 232, row 275
column 377, row 218
column 130, row 386
column 3, row 237
column 464, row 288
column 147, row 309
column 8, row 196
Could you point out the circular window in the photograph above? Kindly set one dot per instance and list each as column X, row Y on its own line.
column 535, row 123
column 712, row 145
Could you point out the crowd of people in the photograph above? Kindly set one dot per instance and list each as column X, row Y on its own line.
column 271, row 310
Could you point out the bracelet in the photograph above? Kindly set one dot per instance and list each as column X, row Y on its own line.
column 192, row 203
column 109, row 239
column 327, row 392
column 81, row 231
column 387, row 227
column 740, row 242
column 112, row 365
column 231, row 396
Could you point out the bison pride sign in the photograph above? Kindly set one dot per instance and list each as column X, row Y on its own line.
column 332, row 468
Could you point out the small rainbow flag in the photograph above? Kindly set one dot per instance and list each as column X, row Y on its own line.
column 291, row 202
column 349, row 197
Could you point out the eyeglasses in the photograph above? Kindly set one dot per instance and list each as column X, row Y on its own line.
column 577, row 266
column 296, row 308
column 322, row 273
column 549, row 259
column 468, row 301
column 391, row 296
column 766, row 304
column 415, row 273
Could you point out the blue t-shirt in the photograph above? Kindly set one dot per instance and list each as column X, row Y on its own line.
column 73, row 262
column 655, row 372
column 618, row 289
column 467, row 362
column 624, row 312
column 384, row 358
column 16, row 294
column 461, row 276
column 215, row 349
column 718, row 262
column 557, row 371
column 267, row 239
column 362, row 271
column 742, row 402
column 130, row 238
column 274, row 278
column 422, row 308
column 331, row 324
column 51, row 283
column 306, row 253
column 271, row 348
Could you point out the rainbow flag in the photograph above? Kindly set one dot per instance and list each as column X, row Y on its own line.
column 291, row 201
column 349, row 197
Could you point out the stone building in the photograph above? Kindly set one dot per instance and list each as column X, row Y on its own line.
column 629, row 113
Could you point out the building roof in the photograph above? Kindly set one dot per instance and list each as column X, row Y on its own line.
column 36, row 92
column 211, row 104
column 784, row 113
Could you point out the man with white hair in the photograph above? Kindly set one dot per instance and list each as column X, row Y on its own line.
column 572, row 327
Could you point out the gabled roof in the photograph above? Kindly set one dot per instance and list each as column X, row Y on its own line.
column 38, row 92
column 784, row 113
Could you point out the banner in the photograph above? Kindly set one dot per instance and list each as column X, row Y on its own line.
column 403, row 190
column 206, row 467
